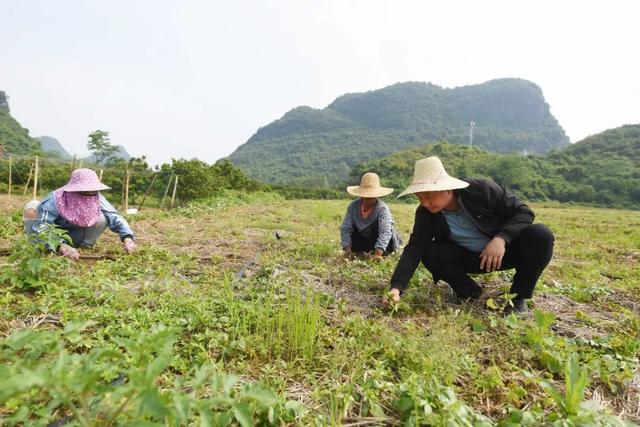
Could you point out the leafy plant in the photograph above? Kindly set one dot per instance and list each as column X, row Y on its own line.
column 32, row 266
column 293, row 328
column 121, row 384
column 425, row 403
column 576, row 381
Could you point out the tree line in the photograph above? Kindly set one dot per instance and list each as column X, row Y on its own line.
column 602, row 170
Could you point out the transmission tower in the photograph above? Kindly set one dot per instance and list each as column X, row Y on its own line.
column 472, row 125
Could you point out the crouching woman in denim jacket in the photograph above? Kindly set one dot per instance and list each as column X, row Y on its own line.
column 82, row 211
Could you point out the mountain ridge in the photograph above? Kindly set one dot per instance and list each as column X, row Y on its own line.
column 13, row 137
column 309, row 146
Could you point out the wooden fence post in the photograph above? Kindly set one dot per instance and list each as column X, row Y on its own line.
column 26, row 186
column 10, row 177
column 166, row 191
column 126, row 189
column 100, row 177
column 35, row 180
column 73, row 163
column 146, row 193
column 173, row 196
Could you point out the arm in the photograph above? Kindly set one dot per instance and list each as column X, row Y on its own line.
column 516, row 214
column 346, row 229
column 119, row 225
column 515, row 217
column 115, row 221
column 414, row 251
column 47, row 216
column 385, row 229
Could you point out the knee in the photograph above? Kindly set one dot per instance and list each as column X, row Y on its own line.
column 29, row 214
column 30, row 211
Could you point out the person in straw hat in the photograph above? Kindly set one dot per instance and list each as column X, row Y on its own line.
column 368, row 224
column 82, row 211
column 471, row 226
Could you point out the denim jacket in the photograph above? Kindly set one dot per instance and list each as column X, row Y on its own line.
column 48, row 214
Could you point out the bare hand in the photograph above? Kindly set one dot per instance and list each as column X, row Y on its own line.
column 392, row 298
column 491, row 256
column 69, row 252
column 376, row 256
column 129, row 245
column 348, row 253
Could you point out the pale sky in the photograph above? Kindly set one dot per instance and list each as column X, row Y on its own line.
column 198, row 78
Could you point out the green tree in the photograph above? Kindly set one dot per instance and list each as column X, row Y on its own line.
column 101, row 147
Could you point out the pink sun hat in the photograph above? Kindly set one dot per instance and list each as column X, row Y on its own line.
column 84, row 179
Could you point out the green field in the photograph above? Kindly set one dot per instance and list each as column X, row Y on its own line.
column 172, row 335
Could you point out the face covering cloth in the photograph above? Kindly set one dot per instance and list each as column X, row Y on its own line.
column 79, row 210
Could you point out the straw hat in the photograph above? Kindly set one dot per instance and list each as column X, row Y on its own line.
column 84, row 179
column 429, row 175
column 369, row 187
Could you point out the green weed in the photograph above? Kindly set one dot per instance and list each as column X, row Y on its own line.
column 32, row 267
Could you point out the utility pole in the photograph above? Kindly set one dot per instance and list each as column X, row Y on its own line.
column 472, row 124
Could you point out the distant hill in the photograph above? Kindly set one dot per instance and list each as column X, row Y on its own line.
column 53, row 146
column 14, row 138
column 318, row 147
column 603, row 169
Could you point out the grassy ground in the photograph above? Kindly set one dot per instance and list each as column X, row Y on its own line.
column 216, row 320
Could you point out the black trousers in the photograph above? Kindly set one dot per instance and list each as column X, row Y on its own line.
column 360, row 243
column 529, row 254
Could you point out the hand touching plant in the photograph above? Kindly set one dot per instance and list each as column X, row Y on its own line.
column 69, row 252
column 391, row 299
column 376, row 256
column 129, row 245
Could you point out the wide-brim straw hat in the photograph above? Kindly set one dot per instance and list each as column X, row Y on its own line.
column 369, row 187
column 84, row 179
column 429, row 175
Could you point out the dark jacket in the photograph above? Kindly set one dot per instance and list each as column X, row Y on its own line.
column 493, row 210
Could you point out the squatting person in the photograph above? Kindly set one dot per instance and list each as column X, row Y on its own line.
column 82, row 211
column 368, row 224
column 471, row 226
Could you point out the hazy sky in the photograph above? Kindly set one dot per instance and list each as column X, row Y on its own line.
column 198, row 78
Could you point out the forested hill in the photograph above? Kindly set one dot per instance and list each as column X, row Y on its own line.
column 14, row 138
column 319, row 147
column 52, row 146
column 603, row 169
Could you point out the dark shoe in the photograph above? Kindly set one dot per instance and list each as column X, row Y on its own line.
column 519, row 307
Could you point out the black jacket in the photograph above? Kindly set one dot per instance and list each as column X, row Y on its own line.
column 493, row 209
